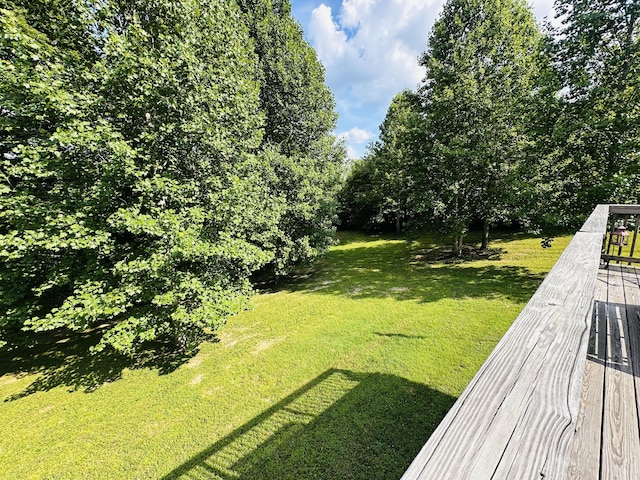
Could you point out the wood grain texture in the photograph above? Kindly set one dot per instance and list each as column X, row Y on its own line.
column 597, row 221
column 584, row 459
column 518, row 412
column 621, row 444
column 632, row 296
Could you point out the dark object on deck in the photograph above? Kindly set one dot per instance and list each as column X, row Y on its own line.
column 620, row 218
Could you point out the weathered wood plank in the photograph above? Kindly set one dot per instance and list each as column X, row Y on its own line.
column 584, row 459
column 540, row 444
column 632, row 297
column 617, row 258
column 622, row 209
column 632, row 300
column 528, row 387
column 621, row 444
column 597, row 221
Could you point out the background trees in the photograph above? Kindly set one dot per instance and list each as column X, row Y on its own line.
column 480, row 66
column 516, row 125
column 381, row 187
column 457, row 156
column 597, row 131
column 143, row 183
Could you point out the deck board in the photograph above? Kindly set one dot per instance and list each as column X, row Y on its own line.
column 612, row 413
column 621, row 445
column 629, row 464
column 632, row 296
column 584, row 463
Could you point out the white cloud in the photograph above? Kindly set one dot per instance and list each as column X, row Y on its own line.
column 332, row 41
column 542, row 9
column 352, row 153
column 370, row 48
column 352, row 12
column 356, row 135
column 370, row 51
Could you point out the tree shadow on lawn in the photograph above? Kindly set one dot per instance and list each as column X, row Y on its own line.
column 342, row 424
column 61, row 358
column 399, row 271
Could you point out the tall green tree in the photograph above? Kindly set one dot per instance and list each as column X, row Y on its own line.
column 138, row 192
column 122, row 202
column 597, row 134
column 400, row 143
column 480, row 70
column 299, row 108
column 538, row 196
column 381, row 187
column 300, row 116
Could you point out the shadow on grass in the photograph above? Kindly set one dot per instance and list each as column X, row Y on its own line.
column 362, row 267
column 403, row 271
column 340, row 425
column 63, row 359
column 401, row 335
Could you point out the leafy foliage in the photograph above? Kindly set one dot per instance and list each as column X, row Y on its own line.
column 381, row 187
column 299, row 116
column 137, row 190
column 456, row 151
column 480, row 64
column 595, row 135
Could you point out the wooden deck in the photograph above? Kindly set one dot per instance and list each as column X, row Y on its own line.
column 606, row 443
column 558, row 398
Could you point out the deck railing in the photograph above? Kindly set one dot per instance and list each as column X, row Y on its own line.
column 622, row 231
column 517, row 417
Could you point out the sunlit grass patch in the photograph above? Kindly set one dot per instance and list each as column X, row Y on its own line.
column 341, row 374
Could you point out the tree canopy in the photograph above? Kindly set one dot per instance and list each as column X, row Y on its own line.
column 516, row 124
column 145, row 178
column 596, row 133
column 380, row 189
column 463, row 144
column 480, row 67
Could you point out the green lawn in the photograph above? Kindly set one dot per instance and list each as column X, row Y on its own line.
column 342, row 374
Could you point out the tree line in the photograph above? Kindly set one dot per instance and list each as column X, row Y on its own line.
column 155, row 155
column 512, row 123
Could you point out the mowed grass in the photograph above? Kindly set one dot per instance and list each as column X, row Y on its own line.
column 342, row 374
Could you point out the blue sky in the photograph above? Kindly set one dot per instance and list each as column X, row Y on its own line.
column 370, row 50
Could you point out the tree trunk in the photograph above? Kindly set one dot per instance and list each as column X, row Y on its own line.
column 398, row 222
column 457, row 245
column 485, row 236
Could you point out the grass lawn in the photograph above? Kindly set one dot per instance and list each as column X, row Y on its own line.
column 342, row 374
